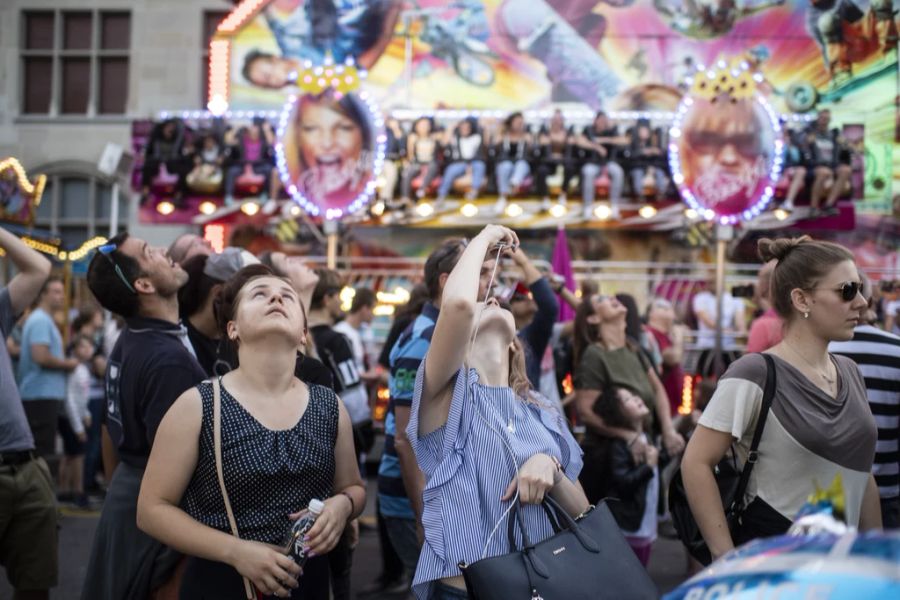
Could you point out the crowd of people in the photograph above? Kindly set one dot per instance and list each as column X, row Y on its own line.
column 508, row 158
column 229, row 391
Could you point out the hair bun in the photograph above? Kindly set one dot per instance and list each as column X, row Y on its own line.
column 770, row 249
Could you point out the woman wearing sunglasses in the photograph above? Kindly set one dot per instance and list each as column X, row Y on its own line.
column 481, row 435
column 819, row 429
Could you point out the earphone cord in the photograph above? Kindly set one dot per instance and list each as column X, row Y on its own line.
column 502, row 437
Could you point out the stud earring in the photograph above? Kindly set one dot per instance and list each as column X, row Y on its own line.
column 806, row 315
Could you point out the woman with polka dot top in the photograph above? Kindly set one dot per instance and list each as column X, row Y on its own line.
column 283, row 444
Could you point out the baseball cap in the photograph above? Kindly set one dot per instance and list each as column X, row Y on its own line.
column 224, row 265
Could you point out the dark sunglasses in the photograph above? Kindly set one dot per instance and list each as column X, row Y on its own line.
column 848, row 290
column 709, row 142
column 106, row 251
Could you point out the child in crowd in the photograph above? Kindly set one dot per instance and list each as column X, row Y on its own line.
column 612, row 472
column 73, row 424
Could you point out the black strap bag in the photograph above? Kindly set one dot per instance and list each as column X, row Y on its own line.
column 587, row 559
column 757, row 519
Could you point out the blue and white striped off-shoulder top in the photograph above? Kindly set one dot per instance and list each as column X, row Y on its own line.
column 467, row 468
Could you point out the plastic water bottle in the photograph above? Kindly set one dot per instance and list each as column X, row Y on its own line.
column 297, row 548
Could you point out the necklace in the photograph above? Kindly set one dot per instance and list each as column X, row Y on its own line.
column 822, row 374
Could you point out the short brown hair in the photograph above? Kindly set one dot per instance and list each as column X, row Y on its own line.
column 330, row 283
column 802, row 262
column 227, row 302
column 364, row 298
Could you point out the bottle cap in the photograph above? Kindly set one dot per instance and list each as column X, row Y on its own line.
column 316, row 507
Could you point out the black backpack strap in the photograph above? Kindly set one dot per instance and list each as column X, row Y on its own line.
column 753, row 456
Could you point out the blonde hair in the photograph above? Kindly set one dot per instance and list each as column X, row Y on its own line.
column 518, row 372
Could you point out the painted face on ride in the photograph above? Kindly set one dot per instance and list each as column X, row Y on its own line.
column 329, row 141
column 726, row 152
column 269, row 72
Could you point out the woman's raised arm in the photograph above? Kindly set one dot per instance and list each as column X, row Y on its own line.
column 453, row 330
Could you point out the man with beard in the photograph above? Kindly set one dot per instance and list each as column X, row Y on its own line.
column 725, row 152
column 151, row 365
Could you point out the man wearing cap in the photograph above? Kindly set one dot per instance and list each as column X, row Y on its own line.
column 535, row 309
column 206, row 275
column 189, row 245
column 151, row 365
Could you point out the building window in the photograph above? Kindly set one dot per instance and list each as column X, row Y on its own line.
column 76, row 208
column 75, row 62
column 211, row 20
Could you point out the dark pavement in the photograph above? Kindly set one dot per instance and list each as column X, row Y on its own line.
column 667, row 564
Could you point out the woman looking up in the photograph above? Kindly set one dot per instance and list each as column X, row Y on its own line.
column 819, row 426
column 283, row 444
column 482, row 437
column 604, row 357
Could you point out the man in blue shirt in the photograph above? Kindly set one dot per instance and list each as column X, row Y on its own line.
column 151, row 365
column 28, row 545
column 400, row 482
column 42, row 368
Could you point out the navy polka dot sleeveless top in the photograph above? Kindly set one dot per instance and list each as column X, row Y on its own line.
column 268, row 474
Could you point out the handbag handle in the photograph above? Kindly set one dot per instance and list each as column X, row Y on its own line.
column 559, row 520
column 217, row 445
column 768, row 394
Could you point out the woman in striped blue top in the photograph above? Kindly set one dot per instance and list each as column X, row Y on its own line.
column 480, row 434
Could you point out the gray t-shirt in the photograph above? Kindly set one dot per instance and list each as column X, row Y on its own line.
column 15, row 435
column 810, row 438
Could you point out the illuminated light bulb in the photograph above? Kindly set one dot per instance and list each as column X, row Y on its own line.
column 425, row 209
column 558, row 211
column 647, row 211
column 691, row 213
column 469, row 210
column 781, row 214
column 207, row 207
column 678, row 178
column 602, row 212
column 217, row 105
column 165, row 208
column 514, row 210
column 250, row 208
column 378, row 209
column 709, row 214
column 295, row 210
column 675, row 132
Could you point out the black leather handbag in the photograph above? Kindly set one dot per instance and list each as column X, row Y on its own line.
column 732, row 483
column 587, row 559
